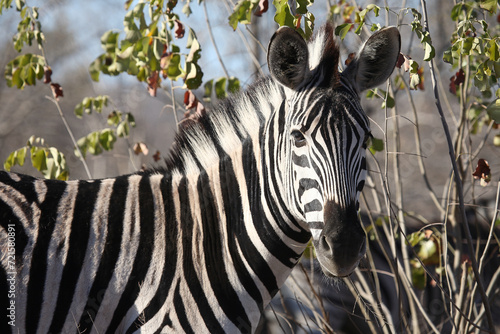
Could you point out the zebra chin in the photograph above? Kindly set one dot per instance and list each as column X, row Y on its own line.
column 342, row 242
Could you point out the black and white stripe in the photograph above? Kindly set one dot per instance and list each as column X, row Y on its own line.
column 203, row 245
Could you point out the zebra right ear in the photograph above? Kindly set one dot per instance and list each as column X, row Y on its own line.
column 288, row 57
column 376, row 61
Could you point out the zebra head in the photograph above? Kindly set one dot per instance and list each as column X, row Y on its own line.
column 321, row 150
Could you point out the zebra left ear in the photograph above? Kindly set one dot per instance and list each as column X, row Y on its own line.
column 288, row 57
column 376, row 61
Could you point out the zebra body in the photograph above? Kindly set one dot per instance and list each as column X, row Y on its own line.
column 203, row 245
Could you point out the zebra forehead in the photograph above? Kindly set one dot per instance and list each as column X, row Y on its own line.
column 326, row 107
column 320, row 45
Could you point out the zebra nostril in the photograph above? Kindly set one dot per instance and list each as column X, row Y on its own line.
column 326, row 246
column 324, row 243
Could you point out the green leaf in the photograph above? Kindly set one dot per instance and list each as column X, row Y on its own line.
column 375, row 9
column 496, row 67
column 130, row 119
column 49, row 161
column 481, row 80
column 220, row 88
column 358, row 29
column 415, row 79
column 376, row 145
column 123, row 129
column 389, row 102
column 24, row 70
column 448, row 57
column 493, row 111
column 174, row 70
column 456, row 11
column 489, row 5
column 427, row 249
column 302, row 6
column 94, row 146
column 283, row 15
column 209, row 85
column 375, row 27
column 10, row 161
column 95, row 69
column 109, row 41
column 372, row 93
column 30, row 76
column 343, row 29
column 82, row 144
column 114, row 118
column 56, row 165
column 194, row 76
column 415, row 238
column 241, row 14
column 39, row 158
column 429, row 51
column 310, row 251
column 233, row 85
column 493, row 50
column 107, row 138
column 418, row 275
column 466, row 45
column 308, row 24
column 20, row 4
column 16, row 79
column 21, row 156
column 195, row 49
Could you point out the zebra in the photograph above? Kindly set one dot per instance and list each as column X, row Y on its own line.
column 203, row 244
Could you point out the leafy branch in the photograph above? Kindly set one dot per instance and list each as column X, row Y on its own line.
column 26, row 69
column 48, row 160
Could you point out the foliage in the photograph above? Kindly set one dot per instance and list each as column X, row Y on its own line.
column 48, row 160
column 102, row 140
column 24, row 70
column 222, row 86
column 148, row 51
column 285, row 14
column 474, row 51
column 346, row 11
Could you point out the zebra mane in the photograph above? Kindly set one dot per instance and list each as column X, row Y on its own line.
column 202, row 142
column 324, row 55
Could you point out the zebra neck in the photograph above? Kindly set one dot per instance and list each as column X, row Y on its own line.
column 220, row 166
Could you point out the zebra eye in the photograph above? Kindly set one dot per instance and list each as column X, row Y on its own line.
column 298, row 138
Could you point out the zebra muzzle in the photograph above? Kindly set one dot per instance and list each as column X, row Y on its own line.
column 342, row 242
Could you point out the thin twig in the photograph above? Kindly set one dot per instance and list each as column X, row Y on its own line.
column 54, row 100
column 419, row 154
column 70, row 132
column 458, row 181
column 492, row 227
column 211, row 35
column 250, row 50
column 174, row 109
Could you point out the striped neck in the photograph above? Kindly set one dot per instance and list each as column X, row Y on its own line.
column 224, row 164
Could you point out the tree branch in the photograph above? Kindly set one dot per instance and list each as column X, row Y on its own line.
column 458, row 181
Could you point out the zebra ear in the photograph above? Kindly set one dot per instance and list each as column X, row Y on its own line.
column 288, row 57
column 376, row 61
